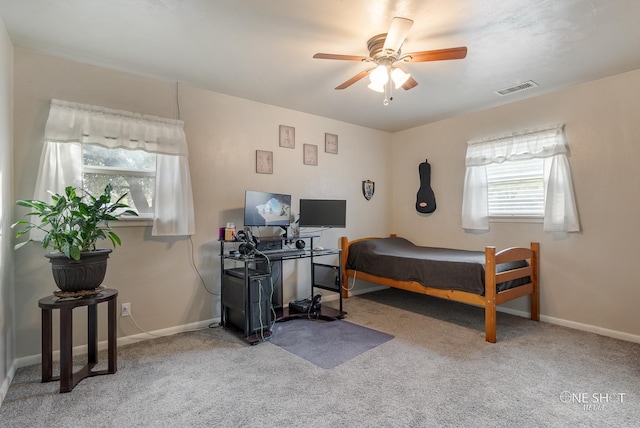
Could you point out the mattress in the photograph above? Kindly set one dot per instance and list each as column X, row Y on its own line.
column 443, row 268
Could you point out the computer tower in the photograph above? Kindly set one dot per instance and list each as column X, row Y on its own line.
column 247, row 306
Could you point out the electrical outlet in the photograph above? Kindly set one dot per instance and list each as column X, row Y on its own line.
column 125, row 310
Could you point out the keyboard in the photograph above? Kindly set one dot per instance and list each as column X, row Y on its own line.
column 282, row 252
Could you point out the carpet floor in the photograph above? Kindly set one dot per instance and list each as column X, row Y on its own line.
column 437, row 371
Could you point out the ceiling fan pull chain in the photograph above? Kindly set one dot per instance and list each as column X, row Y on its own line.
column 388, row 94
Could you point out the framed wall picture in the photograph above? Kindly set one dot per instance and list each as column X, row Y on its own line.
column 287, row 136
column 264, row 162
column 331, row 143
column 310, row 154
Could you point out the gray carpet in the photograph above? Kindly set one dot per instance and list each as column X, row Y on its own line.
column 326, row 344
column 437, row 372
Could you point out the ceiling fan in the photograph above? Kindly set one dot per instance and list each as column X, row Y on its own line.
column 385, row 55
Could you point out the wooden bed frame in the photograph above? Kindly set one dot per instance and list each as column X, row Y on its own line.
column 491, row 298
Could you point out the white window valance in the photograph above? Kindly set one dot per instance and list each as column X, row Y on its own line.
column 560, row 213
column 527, row 145
column 87, row 124
column 72, row 124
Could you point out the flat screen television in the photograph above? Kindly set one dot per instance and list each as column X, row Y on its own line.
column 266, row 209
column 323, row 213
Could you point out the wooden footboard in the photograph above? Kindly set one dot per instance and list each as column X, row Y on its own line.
column 491, row 299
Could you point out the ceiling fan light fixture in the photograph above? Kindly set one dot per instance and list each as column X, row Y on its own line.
column 374, row 87
column 379, row 76
column 399, row 77
column 385, row 51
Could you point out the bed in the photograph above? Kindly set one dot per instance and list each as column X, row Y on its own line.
column 485, row 279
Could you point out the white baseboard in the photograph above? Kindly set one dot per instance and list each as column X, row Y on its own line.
column 366, row 290
column 126, row 340
column 4, row 388
column 330, row 296
column 593, row 329
column 628, row 337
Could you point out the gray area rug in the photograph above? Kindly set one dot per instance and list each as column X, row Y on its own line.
column 326, row 344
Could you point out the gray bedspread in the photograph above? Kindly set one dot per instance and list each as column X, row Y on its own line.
column 444, row 268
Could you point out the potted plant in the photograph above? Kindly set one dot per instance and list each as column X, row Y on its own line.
column 72, row 224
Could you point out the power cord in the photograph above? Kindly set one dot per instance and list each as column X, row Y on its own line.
column 191, row 256
column 273, row 311
column 195, row 268
column 353, row 283
column 212, row 325
column 260, row 309
column 314, row 300
column 142, row 329
column 178, row 99
column 269, row 272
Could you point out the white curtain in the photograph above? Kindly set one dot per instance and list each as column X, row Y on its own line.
column 561, row 214
column 60, row 166
column 172, row 202
column 72, row 124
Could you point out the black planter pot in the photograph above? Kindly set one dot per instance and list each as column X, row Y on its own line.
column 79, row 275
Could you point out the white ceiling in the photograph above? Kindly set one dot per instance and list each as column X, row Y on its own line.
column 262, row 50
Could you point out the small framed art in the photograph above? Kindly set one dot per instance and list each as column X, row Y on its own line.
column 310, row 154
column 368, row 187
column 287, row 136
column 264, row 162
column 331, row 143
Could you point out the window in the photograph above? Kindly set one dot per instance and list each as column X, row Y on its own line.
column 129, row 171
column 146, row 156
column 516, row 188
column 525, row 174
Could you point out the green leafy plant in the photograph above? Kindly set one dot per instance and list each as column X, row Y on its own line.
column 72, row 223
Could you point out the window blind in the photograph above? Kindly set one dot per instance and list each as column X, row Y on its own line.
column 516, row 188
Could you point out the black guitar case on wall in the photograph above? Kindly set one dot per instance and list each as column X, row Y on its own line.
column 426, row 199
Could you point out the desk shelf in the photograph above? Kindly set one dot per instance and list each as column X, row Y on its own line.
column 243, row 303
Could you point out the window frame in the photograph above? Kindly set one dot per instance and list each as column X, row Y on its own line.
column 560, row 210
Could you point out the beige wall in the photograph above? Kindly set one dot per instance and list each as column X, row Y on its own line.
column 588, row 279
column 7, row 337
column 156, row 274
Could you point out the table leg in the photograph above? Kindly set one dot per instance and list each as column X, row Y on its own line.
column 92, row 334
column 111, row 336
column 66, row 344
column 47, row 346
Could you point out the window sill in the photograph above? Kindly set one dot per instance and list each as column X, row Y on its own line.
column 516, row 219
column 132, row 222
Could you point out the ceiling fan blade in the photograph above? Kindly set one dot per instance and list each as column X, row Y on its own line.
column 355, row 78
column 341, row 57
column 439, row 54
column 397, row 33
column 409, row 84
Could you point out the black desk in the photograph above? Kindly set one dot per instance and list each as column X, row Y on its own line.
column 244, row 297
column 68, row 379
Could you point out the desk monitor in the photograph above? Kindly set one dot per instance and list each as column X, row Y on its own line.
column 266, row 209
column 323, row 213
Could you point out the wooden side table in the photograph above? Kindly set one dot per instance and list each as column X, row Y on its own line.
column 68, row 379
